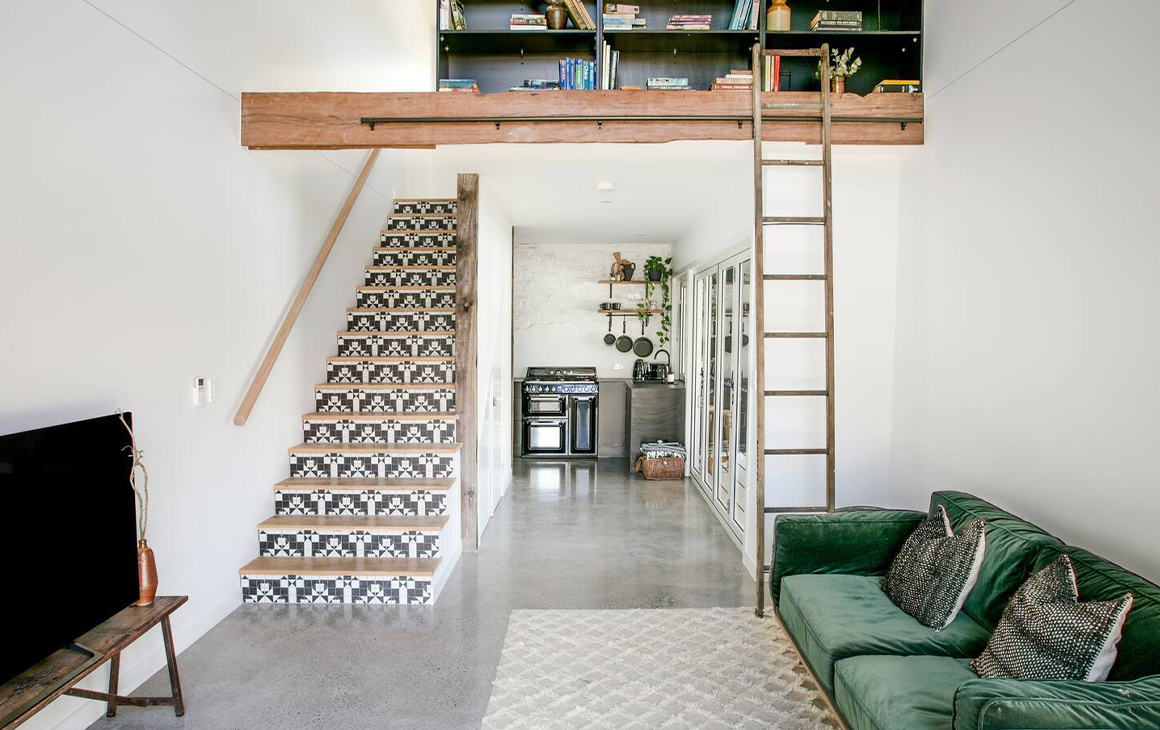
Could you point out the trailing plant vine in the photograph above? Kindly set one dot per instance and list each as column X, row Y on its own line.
column 655, row 265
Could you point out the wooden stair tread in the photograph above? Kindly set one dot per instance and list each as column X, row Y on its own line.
column 353, row 522
column 389, row 360
column 390, row 484
column 375, row 448
column 393, row 416
column 385, row 386
column 414, row 567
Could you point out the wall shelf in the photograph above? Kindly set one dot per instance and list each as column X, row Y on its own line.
column 627, row 312
column 622, row 283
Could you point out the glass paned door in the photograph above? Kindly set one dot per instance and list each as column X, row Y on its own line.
column 698, row 375
column 728, row 360
column 741, row 466
column 711, row 383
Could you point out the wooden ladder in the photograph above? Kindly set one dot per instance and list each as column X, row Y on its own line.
column 826, row 277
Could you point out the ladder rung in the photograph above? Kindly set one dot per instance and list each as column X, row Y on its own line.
column 795, row 392
column 793, row 220
column 794, row 163
column 795, row 277
column 807, row 52
column 794, row 335
column 795, row 452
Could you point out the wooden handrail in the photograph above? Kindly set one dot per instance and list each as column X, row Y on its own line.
column 303, row 292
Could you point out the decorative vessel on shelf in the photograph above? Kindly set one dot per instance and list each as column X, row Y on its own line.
column 779, row 16
column 557, row 15
column 843, row 65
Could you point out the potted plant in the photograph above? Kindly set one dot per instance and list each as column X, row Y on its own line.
column 658, row 271
column 843, row 65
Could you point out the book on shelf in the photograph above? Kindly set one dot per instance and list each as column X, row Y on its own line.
column 579, row 15
column 735, row 80
column 521, row 21
column 451, row 15
column 745, row 15
column 898, row 86
column 577, row 74
column 462, row 86
column 621, row 8
column 772, row 75
column 611, row 60
column 837, row 20
column 669, row 83
column 855, row 28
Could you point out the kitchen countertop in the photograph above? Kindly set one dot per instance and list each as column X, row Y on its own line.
column 651, row 384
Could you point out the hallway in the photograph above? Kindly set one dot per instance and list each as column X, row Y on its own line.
column 577, row 534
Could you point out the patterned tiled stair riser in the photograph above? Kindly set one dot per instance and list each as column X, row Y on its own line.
column 425, row 207
column 381, row 432
column 421, row 223
column 414, row 239
column 400, row 321
column 354, row 400
column 388, row 345
column 335, row 589
column 380, row 466
column 348, row 544
column 392, row 299
column 403, row 257
column 370, row 503
column 390, row 372
column 408, row 277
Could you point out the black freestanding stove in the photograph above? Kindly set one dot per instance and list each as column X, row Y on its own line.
column 560, row 412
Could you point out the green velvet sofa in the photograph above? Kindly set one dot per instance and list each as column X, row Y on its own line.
column 884, row 671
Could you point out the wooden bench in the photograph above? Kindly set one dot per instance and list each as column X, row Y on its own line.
column 32, row 691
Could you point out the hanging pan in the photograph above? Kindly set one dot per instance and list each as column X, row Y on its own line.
column 624, row 342
column 609, row 338
column 643, row 346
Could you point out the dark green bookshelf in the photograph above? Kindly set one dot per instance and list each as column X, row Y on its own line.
column 890, row 46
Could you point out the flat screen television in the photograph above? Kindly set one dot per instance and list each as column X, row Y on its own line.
column 71, row 528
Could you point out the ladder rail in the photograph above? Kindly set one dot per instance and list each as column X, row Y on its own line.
column 759, row 323
column 828, row 214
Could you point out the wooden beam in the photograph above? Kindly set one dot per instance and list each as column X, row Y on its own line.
column 466, row 355
column 333, row 120
column 291, row 317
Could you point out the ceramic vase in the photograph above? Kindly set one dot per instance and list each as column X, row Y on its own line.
column 146, row 574
column 779, row 16
column 557, row 15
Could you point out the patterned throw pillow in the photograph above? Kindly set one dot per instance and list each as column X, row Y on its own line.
column 1046, row 633
column 936, row 569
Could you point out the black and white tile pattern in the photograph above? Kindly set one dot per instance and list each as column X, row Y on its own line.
column 413, row 239
column 425, row 207
column 364, row 503
column 385, row 431
column 408, row 277
column 418, row 321
column 384, row 298
column 337, row 399
column 387, row 344
column 371, row 371
column 421, row 223
column 376, row 466
column 348, row 544
column 391, row 590
column 413, row 257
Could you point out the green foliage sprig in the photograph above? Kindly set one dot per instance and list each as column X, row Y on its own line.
column 664, row 267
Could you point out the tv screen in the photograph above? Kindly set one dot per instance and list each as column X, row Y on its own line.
column 70, row 517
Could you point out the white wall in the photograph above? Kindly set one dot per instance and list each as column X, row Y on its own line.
column 866, row 203
column 142, row 246
column 1028, row 350
column 556, row 298
column 494, row 373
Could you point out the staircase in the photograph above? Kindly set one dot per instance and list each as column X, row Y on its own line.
column 370, row 513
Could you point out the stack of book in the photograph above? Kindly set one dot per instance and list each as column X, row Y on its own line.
column 772, row 77
column 462, row 86
column 620, row 16
column 849, row 20
column 690, row 22
column 537, row 85
column 898, row 86
column 610, row 66
column 528, row 21
column 745, row 15
column 734, row 81
column 579, row 15
column 577, row 74
column 668, row 83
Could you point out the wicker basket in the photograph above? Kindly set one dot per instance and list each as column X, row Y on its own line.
column 662, row 468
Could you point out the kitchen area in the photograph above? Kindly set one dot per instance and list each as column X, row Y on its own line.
column 593, row 337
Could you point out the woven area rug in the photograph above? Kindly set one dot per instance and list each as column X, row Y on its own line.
column 710, row 669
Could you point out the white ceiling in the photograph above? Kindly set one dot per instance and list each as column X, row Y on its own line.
column 549, row 190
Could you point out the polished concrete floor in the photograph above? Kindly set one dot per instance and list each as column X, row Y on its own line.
column 567, row 535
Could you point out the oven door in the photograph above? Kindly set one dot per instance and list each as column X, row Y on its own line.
column 545, row 436
column 583, row 431
column 543, row 405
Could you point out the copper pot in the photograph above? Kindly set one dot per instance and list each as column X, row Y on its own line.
column 838, row 84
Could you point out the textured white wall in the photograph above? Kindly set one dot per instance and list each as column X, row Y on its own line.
column 142, row 246
column 1027, row 350
column 556, row 298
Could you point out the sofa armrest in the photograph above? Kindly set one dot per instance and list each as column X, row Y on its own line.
column 854, row 542
column 1006, row 704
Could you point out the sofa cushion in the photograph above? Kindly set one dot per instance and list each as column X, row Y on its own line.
column 1100, row 580
column 899, row 692
column 1012, row 548
column 833, row 617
